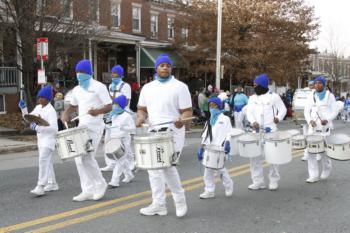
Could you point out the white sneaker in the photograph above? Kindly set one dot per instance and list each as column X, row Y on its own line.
column 154, row 209
column 51, row 187
column 256, row 186
column 128, row 178
column 38, row 190
column 229, row 192
column 100, row 191
column 325, row 174
column 312, row 179
column 107, row 169
column 113, row 184
column 318, row 157
column 304, row 158
column 206, row 195
column 273, row 186
column 181, row 209
column 83, row 197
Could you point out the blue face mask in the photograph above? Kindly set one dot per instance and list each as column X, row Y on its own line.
column 321, row 94
column 214, row 114
column 116, row 81
column 116, row 110
column 84, row 80
column 163, row 80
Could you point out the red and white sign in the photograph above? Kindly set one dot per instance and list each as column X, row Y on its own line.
column 42, row 48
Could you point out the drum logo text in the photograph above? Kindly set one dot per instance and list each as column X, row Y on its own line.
column 70, row 145
column 159, row 152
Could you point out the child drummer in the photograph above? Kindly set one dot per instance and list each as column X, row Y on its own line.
column 122, row 126
column 46, row 140
column 216, row 133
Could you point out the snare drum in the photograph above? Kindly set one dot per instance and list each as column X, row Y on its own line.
column 293, row 132
column 214, row 157
column 278, row 148
column 298, row 142
column 338, row 146
column 154, row 150
column 235, row 133
column 315, row 144
column 114, row 148
column 73, row 143
column 249, row 146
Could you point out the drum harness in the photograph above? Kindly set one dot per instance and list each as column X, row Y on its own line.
column 323, row 131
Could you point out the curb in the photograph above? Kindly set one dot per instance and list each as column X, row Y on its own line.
column 17, row 149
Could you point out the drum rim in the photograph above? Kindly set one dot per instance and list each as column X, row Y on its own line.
column 341, row 134
column 320, row 138
column 267, row 139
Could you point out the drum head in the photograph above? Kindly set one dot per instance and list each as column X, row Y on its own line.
column 314, row 138
column 298, row 137
column 248, row 137
column 277, row 136
column 293, row 132
column 236, row 132
column 338, row 139
column 36, row 119
column 113, row 145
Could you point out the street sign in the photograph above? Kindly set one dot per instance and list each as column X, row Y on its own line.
column 41, row 77
column 42, row 48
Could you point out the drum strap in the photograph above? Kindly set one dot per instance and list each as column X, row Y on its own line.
column 209, row 131
column 119, row 89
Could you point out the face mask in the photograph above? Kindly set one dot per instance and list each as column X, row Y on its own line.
column 163, row 80
column 116, row 81
column 116, row 110
column 214, row 114
column 259, row 90
column 321, row 94
column 84, row 80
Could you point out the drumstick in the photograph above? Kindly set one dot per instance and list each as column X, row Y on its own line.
column 65, row 124
column 77, row 117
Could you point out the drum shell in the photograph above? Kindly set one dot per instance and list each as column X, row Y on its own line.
column 298, row 142
column 114, row 148
column 278, row 152
column 338, row 149
column 153, row 151
column 315, row 144
column 234, row 135
column 214, row 157
column 249, row 148
column 73, row 143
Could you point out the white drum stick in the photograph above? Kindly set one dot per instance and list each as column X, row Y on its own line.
column 77, row 117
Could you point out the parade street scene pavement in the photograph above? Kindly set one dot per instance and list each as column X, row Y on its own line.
column 295, row 207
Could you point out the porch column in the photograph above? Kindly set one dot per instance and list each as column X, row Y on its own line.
column 138, row 62
column 95, row 60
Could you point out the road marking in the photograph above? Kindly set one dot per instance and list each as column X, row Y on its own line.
column 243, row 168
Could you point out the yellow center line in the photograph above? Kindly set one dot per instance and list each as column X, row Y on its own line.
column 117, row 209
column 99, row 205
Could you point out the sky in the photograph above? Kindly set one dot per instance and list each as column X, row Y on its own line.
column 334, row 17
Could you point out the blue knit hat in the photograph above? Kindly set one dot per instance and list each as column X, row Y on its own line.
column 46, row 92
column 163, row 58
column 215, row 100
column 118, row 70
column 321, row 79
column 262, row 80
column 85, row 66
column 121, row 101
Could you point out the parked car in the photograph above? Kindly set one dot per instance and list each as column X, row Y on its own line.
column 299, row 102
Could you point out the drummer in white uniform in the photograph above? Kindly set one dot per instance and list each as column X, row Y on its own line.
column 92, row 100
column 320, row 110
column 265, row 110
column 46, row 140
column 122, row 126
column 116, row 88
column 217, row 132
column 162, row 100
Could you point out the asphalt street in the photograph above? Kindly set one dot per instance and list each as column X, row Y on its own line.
column 296, row 207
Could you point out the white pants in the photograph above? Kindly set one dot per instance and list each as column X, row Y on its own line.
column 122, row 165
column 257, row 171
column 46, row 172
column 239, row 117
column 170, row 177
column 312, row 164
column 209, row 179
column 109, row 162
column 89, row 172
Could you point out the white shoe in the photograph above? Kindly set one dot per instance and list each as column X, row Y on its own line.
column 100, row 191
column 229, row 191
column 312, row 179
column 51, row 187
column 83, row 197
column 113, row 185
column 273, row 186
column 206, row 195
column 256, row 186
column 128, row 178
column 181, row 209
column 107, row 169
column 304, row 158
column 318, row 157
column 325, row 174
column 154, row 209
column 38, row 190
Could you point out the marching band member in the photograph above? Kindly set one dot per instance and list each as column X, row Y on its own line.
column 216, row 133
column 92, row 100
column 122, row 125
column 116, row 88
column 320, row 110
column 238, row 101
column 46, row 140
column 265, row 110
column 162, row 100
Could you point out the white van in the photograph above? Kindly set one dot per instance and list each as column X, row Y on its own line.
column 299, row 102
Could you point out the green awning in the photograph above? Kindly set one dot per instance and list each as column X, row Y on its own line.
column 149, row 55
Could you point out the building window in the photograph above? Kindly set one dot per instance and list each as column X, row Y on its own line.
column 154, row 25
column 40, row 4
column 184, row 33
column 136, row 19
column 2, row 104
column 115, row 12
column 171, row 28
column 94, row 11
column 67, row 8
